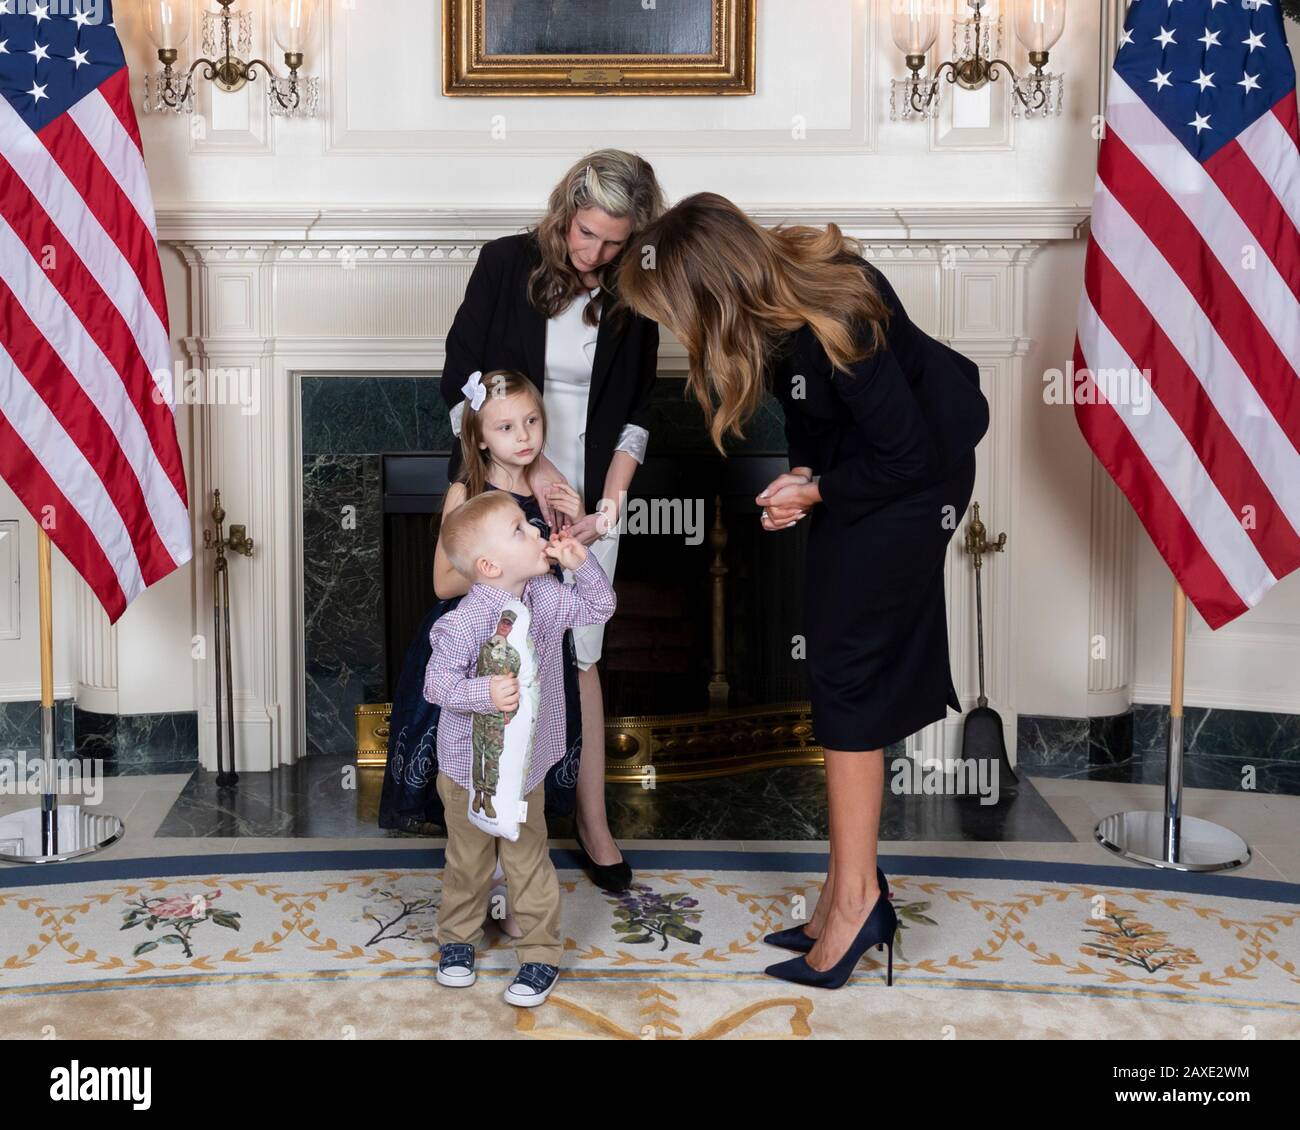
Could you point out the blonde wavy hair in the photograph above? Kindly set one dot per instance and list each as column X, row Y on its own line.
column 475, row 463
column 619, row 183
column 729, row 290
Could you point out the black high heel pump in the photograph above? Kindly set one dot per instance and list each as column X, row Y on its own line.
column 878, row 929
column 794, row 938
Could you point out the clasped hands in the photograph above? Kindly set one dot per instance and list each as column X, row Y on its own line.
column 787, row 499
column 562, row 508
column 566, row 549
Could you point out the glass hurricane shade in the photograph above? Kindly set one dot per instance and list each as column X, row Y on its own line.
column 1039, row 23
column 915, row 25
column 166, row 22
column 293, row 24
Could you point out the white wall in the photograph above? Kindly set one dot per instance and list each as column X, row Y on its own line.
column 1050, row 558
column 816, row 135
column 390, row 137
column 20, row 657
column 1252, row 664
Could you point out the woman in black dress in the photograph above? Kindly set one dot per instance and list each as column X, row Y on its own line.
column 882, row 423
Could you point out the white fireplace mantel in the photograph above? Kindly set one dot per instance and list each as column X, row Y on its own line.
column 296, row 225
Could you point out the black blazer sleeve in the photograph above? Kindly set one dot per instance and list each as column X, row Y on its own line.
column 467, row 340
column 799, row 444
column 901, row 454
column 649, row 373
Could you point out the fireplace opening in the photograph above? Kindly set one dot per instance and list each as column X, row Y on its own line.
column 413, row 488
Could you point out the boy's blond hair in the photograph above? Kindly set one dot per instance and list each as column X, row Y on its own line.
column 462, row 529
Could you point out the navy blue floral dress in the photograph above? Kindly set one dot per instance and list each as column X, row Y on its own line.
column 410, row 796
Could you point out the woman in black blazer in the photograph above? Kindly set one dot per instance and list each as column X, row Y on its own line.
column 882, row 423
column 519, row 310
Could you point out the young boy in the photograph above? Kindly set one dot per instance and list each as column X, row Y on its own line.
column 490, row 541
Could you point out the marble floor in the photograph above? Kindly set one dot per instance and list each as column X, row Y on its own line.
column 309, row 807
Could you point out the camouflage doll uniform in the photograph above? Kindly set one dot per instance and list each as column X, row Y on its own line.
column 495, row 657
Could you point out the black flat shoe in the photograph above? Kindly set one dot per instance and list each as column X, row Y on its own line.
column 794, row 937
column 612, row 877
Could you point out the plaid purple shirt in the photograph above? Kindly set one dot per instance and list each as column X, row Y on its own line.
column 451, row 681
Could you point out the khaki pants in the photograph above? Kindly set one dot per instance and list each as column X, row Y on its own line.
column 534, row 888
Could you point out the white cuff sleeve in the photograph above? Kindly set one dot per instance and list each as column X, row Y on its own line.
column 456, row 414
column 633, row 440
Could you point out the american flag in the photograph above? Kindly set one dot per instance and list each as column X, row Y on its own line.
column 1193, row 281
column 87, row 426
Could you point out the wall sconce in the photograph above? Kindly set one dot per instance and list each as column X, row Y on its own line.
column 975, row 44
column 227, row 43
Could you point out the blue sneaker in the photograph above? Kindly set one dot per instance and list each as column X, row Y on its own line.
column 532, row 984
column 456, row 965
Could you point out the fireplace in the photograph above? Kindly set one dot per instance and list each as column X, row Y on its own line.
column 343, row 315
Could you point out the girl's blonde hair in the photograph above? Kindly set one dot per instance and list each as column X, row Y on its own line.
column 729, row 289
column 619, row 183
column 475, row 462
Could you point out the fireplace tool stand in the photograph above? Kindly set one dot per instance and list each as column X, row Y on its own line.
column 237, row 542
column 983, row 736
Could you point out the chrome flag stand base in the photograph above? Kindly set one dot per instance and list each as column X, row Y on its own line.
column 1194, row 845
column 56, row 833
column 50, row 833
column 1169, row 839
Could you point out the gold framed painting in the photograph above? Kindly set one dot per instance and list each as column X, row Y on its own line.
column 583, row 47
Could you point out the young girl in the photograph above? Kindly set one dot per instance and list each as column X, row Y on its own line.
column 502, row 433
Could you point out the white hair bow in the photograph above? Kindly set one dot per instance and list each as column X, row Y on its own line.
column 474, row 389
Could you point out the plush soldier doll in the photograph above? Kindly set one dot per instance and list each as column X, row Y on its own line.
column 501, row 742
column 495, row 657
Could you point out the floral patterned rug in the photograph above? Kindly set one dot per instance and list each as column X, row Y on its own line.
column 351, row 953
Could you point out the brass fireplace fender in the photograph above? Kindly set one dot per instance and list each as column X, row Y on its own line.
column 645, row 748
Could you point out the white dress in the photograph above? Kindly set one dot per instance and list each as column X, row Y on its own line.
column 570, row 355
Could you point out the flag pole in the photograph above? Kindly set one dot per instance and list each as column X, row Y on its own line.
column 1169, row 839
column 50, row 833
